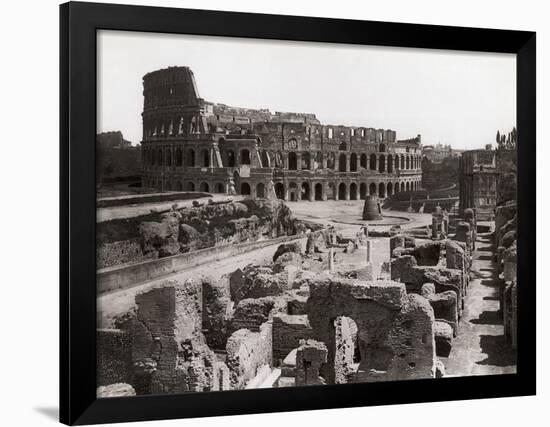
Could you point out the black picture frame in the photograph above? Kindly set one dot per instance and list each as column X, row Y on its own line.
column 78, row 25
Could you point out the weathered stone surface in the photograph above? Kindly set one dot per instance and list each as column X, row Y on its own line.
column 115, row 390
column 443, row 333
column 395, row 330
column 316, row 242
column 439, row 369
column 251, row 313
column 217, row 312
column 248, row 351
column 295, row 247
column 310, row 356
column 288, row 330
column 161, row 237
column 286, row 259
column 258, row 281
column 114, row 356
column 445, row 305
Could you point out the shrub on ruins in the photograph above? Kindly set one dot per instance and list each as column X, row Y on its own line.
column 295, row 247
column 161, row 236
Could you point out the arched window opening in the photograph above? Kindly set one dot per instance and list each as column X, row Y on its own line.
column 318, row 191
column 390, row 163
column 245, row 189
column 372, row 189
column 190, row 158
column 342, row 191
column 219, row 188
column 343, row 146
column 381, row 190
column 372, row 161
column 160, row 161
column 306, row 161
column 205, row 156
column 230, row 159
column 280, row 190
column 353, row 191
column 382, row 164
column 204, row 187
column 245, row 158
column 179, row 157
column 342, row 162
column 190, row 186
column 260, row 191
column 363, row 191
column 292, row 161
column 305, row 191
column 363, row 161
column 390, row 188
column 265, row 159
column 168, row 158
column 353, row 162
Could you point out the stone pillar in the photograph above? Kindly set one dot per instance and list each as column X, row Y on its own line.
column 369, row 248
column 312, row 160
column 336, row 163
column 299, row 160
column 434, row 228
column 324, row 192
column 299, row 191
column 324, row 158
column 377, row 160
column 348, row 168
column 347, row 191
column 311, row 192
column 331, row 259
column 311, row 355
column 285, row 183
column 285, row 161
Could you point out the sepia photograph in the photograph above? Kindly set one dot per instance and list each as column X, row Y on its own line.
column 282, row 214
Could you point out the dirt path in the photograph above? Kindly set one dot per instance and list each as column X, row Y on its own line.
column 479, row 348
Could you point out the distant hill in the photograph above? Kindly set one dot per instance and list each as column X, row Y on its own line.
column 117, row 159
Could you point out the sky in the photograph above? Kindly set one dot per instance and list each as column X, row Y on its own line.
column 452, row 97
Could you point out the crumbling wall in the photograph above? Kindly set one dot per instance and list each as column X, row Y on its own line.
column 310, row 356
column 114, row 356
column 395, row 330
column 247, row 352
column 288, row 330
column 217, row 312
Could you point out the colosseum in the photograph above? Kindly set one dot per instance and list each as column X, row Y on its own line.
column 190, row 144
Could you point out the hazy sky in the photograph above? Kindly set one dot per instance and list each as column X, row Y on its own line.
column 457, row 98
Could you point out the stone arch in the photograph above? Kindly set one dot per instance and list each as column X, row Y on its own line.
column 381, row 190
column 230, row 154
column 280, row 190
column 372, row 162
column 382, row 163
column 318, row 191
column 168, row 186
column 245, row 189
column 353, row 162
column 407, row 163
column 190, row 186
column 402, row 186
column 389, row 188
column 382, row 148
column 399, row 344
column 205, row 158
column 390, row 163
column 396, row 157
column 305, row 191
column 396, row 188
column 245, row 157
column 407, row 186
column 179, row 157
column 342, row 191
column 168, row 158
column 342, row 162
column 402, row 161
column 372, row 189
column 353, row 191
column 204, row 187
column 219, row 187
column 160, row 160
column 292, row 161
column 260, row 190
column 343, row 146
column 190, row 158
column 331, row 191
column 331, row 163
column 363, row 161
column 363, row 191
column 306, row 161
column 293, row 192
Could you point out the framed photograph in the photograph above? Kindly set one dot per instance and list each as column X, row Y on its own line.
column 267, row 213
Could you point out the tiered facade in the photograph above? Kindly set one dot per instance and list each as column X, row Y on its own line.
column 190, row 144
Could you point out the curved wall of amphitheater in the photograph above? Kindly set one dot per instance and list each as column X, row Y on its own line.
column 190, row 144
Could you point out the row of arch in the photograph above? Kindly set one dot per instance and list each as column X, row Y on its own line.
column 293, row 191
column 344, row 162
column 340, row 191
column 192, row 158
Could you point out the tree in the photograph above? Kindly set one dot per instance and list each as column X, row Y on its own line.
column 498, row 137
